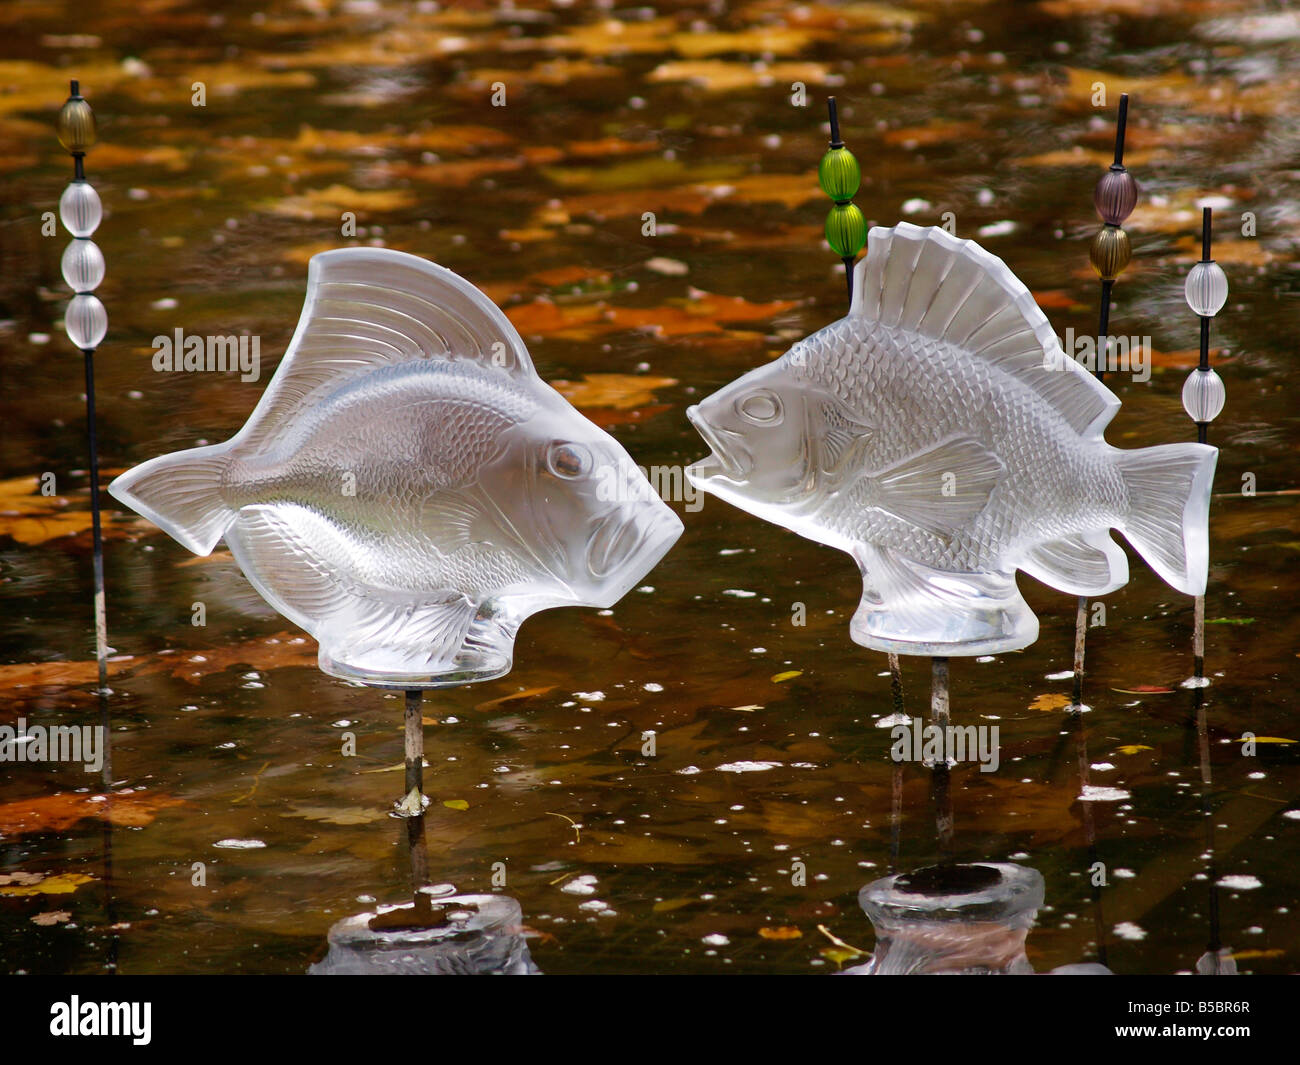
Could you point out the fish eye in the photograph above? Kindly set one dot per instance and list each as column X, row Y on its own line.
column 761, row 408
column 568, row 460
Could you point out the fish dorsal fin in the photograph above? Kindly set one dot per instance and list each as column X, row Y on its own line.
column 925, row 281
column 372, row 307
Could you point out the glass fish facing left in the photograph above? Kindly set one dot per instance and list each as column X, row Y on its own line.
column 940, row 435
column 408, row 489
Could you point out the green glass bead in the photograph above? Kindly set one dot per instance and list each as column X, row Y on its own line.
column 839, row 174
column 76, row 125
column 846, row 229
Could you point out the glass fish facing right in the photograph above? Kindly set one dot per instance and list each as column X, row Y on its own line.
column 408, row 489
column 940, row 435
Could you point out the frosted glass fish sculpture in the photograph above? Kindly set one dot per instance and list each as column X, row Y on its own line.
column 408, row 490
column 939, row 435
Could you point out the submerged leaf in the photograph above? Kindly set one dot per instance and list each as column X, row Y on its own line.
column 55, row 813
column 59, row 884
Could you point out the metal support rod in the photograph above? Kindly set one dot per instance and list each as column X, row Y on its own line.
column 1121, row 124
column 414, row 743
column 940, row 779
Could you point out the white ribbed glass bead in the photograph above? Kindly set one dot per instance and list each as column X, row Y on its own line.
column 1206, row 289
column 80, row 209
column 83, row 265
column 1204, row 395
column 86, row 321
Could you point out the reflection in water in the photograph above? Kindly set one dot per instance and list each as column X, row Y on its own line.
column 437, row 933
column 956, row 920
column 1217, row 959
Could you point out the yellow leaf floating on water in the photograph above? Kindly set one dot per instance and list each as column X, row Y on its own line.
column 455, row 804
column 668, row 905
column 1050, row 702
column 338, row 815
column 1133, row 748
column 839, row 952
column 60, row 884
column 1265, row 739
column 789, row 674
column 782, row 932
column 623, row 391
column 720, row 75
column 328, row 202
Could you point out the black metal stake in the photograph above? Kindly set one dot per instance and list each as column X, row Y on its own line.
column 1100, row 364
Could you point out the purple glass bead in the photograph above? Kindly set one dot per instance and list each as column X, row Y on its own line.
column 1116, row 195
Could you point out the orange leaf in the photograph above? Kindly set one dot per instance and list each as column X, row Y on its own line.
column 783, row 932
column 62, row 810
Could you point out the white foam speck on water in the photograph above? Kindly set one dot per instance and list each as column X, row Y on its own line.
column 689, row 771
column 239, row 844
column 915, row 206
column 1240, row 882
column 590, row 697
column 1102, row 767
column 748, row 767
column 739, row 593
column 717, row 939
column 1128, row 930
column 653, row 687
column 998, row 229
column 1061, row 676
column 1291, row 815
column 1124, row 874
column 580, row 885
column 892, row 720
column 1096, row 793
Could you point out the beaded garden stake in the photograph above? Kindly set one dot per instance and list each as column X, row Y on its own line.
column 1203, row 394
column 840, row 176
column 1206, row 291
column 86, row 322
column 1114, row 197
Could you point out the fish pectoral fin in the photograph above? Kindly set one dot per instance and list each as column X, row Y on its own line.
column 296, row 558
column 405, row 633
column 453, row 519
column 844, row 439
column 1090, row 563
column 943, row 488
column 302, row 565
column 910, row 608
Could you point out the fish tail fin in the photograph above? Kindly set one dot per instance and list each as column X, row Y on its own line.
column 1169, row 510
column 181, row 493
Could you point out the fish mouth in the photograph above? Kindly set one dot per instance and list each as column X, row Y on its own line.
column 625, row 545
column 730, row 458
